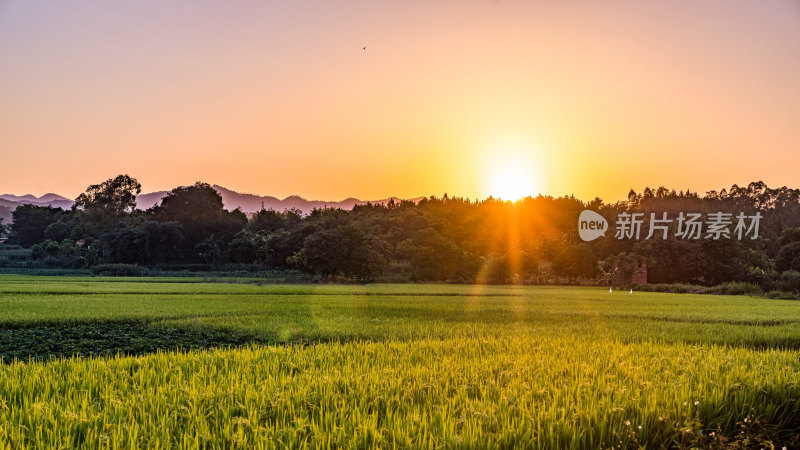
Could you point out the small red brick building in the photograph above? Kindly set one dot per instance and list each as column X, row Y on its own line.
column 638, row 275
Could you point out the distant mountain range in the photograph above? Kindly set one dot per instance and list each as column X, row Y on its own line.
column 9, row 203
column 249, row 203
column 50, row 199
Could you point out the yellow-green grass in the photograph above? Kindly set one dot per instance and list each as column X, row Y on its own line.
column 385, row 366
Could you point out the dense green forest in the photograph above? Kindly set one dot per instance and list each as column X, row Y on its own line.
column 532, row 240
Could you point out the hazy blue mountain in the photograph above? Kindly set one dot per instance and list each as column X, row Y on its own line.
column 249, row 203
column 252, row 203
column 11, row 201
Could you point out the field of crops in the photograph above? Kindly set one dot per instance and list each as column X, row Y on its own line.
column 149, row 363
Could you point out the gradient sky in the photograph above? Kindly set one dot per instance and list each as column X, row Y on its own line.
column 589, row 98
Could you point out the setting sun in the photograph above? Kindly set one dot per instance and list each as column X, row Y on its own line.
column 512, row 173
column 511, row 183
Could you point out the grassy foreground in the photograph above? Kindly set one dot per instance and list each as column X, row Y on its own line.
column 391, row 366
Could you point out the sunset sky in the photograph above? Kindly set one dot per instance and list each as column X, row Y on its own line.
column 580, row 97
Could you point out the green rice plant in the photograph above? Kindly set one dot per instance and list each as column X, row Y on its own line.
column 518, row 390
column 180, row 363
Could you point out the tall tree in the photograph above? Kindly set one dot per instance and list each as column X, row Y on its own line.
column 199, row 210
column 115, row 195
column 109, row 201
column 30, row 223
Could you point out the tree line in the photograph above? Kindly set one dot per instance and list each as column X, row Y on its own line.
column 532, row 240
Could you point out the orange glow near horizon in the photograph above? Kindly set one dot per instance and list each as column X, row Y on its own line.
column 511, row 183
column 280, row 98
column 511, row 174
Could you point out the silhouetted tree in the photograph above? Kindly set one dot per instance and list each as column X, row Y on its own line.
column 108, row 201
column 788, row 257
column 199, row 210
column 30, row 223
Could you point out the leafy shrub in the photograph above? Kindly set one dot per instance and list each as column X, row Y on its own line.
column 735, row 288
column 119, row 270
column 499, row 271
column 788, row 281
column 781, row 295
column 729, row 288
column 672, row 288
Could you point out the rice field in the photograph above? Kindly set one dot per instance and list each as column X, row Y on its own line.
column 182, row 363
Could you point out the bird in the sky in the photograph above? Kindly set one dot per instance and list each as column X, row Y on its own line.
column 364, row 48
